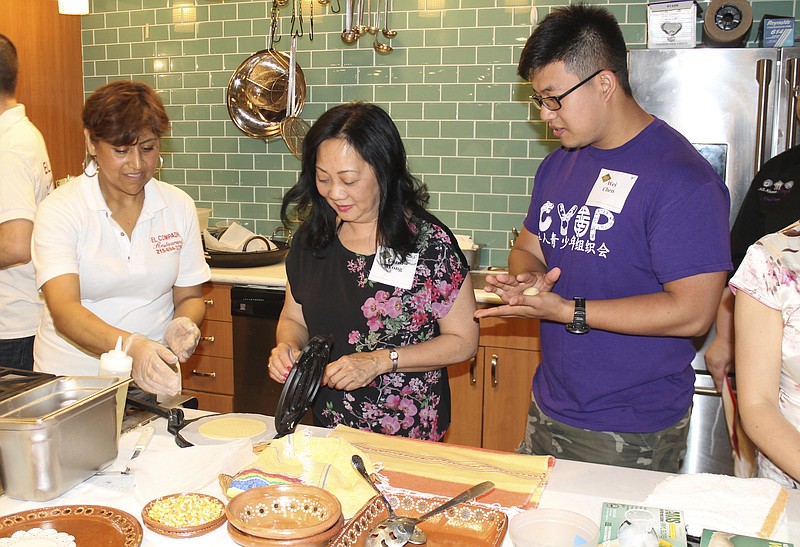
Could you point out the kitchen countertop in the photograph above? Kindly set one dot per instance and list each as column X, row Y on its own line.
column 275, row 276
column 577, row 486
column 266, row 276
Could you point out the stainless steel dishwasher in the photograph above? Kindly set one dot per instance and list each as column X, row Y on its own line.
column 255, row 311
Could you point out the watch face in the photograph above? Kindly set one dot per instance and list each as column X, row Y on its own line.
column 578, row 328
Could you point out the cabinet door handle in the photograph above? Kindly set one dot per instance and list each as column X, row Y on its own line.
column 204, row 374
column 206, row 338
column 495, row 360
column 209, row 302
column 472, row 379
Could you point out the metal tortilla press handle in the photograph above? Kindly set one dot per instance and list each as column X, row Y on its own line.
column 256, row 238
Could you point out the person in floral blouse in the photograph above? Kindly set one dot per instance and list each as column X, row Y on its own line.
column 372, row 267
column 767, row 329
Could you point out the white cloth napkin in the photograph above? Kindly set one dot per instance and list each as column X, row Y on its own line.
column 750, row 507
column 187, row 470
column 234, row 238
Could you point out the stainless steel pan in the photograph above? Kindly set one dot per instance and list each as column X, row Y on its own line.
column 257, row 91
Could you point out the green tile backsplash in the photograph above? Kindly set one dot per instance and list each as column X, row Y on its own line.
column 450, row 84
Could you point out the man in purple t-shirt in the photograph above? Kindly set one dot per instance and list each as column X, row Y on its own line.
column 626, row 240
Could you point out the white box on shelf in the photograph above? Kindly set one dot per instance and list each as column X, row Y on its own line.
column 672, row 24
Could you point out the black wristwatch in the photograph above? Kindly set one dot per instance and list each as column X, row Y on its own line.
column 578, row 324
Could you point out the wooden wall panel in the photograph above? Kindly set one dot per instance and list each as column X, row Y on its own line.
column 50, row 83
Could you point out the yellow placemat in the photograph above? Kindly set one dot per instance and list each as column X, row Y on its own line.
column 319, row 461
column 446, row 470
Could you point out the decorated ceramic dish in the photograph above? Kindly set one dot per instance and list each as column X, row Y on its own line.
column 37, row 536
column 321, row 539
column 466, row 524
column 284, row 511
column 184, row 515
column 83, row 523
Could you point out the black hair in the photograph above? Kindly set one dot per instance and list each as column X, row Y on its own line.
column 585, row 38
column 9, row 66
column 373, row 135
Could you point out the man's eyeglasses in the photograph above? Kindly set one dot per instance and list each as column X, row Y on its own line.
column 554, row 102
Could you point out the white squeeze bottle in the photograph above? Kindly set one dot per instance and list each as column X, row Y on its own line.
column 117, row 363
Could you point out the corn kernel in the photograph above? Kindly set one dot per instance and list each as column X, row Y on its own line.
column 185, row 510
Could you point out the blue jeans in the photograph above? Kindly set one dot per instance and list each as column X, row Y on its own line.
column 17, row 353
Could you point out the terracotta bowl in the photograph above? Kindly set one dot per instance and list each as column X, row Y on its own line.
column 284, row 511
column 318, row 540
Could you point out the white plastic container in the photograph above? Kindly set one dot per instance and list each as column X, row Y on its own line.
column 552, row 528
column 203, row 214
column 119, row 364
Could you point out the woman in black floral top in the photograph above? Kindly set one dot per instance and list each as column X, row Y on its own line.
column 372, row 267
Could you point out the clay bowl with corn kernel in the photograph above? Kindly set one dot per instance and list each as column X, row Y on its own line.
column 282, row 514
column 184, row 515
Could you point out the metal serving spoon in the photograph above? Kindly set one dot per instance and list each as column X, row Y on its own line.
column 417, row 536
column 383, row 49
column 388, row 32
column 348, row 34
column 394, row 531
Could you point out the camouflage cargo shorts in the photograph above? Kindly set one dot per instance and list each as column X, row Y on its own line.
column 659, row 451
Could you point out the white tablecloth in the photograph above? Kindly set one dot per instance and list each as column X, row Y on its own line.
column 576, row 486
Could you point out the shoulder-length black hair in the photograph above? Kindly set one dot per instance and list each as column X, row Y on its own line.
column 372, row 133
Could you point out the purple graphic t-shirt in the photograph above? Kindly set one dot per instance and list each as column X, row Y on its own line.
column 619, row 223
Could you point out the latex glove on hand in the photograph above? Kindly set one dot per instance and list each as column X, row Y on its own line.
column 182, row 337
column 153, row 365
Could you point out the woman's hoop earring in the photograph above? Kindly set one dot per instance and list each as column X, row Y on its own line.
column 160, row 162
column 89, row 161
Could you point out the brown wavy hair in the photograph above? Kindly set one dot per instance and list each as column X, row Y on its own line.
column 119, row 112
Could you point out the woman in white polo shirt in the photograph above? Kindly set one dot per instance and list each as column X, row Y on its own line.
column 118, row 252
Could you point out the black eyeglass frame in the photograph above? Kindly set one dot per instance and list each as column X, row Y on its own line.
column 540, row 101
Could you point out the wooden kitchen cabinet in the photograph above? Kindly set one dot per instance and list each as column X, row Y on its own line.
column 491, row 393
column 50, row 82
column 208, row 374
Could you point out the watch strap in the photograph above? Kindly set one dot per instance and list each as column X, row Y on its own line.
column 578, row 324
column 395, row 358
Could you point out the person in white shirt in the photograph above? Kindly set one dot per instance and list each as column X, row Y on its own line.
column 118, row 252
column 25, row 180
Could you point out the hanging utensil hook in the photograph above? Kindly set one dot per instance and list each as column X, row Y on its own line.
column 296, row 28
column 311, row 18
column 338, row 5
column 273, row 24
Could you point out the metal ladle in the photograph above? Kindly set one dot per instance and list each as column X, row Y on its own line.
column 372, row 24
column 359, row 27
column 394, row 531
column 417, row 537
column 348, row 34
column 388, row 32
column 383, row 49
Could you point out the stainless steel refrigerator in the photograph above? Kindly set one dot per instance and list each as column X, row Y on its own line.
column 737, row 106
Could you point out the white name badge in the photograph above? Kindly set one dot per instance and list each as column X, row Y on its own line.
column 611, row 189
column 397, row 275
